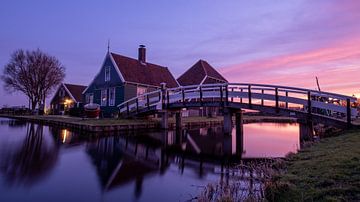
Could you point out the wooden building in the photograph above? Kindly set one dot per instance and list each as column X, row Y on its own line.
column 201, row 73
column 121, row 78
column 66, row 97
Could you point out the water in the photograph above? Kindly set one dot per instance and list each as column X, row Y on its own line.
column 41, row 163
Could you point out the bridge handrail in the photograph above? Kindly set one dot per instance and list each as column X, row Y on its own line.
column 137, row 97
column 297, row 88
column 282, row 88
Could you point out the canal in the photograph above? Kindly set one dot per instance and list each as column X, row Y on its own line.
column 42, row 163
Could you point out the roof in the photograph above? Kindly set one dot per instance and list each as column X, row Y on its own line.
column 133, row 70
column 200, row 72
column 75, row 91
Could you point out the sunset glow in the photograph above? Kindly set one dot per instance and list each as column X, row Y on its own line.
column 284, row 43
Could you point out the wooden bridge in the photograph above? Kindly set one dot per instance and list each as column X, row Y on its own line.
column 319, row 106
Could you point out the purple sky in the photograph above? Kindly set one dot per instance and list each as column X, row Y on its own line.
column 279, row 42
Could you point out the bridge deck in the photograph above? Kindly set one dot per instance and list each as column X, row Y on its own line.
column 288, row 101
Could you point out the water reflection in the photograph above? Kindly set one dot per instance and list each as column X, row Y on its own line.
column 30, row 161
column 140, row 165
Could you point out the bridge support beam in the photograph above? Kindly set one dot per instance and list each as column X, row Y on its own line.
column 306, row 131
column 239, row 133
column 164, row 120
column 178, row 120
column 227, row 121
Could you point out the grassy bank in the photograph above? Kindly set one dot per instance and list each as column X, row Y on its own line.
column 326, row 171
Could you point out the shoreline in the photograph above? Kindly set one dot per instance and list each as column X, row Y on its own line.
column 327, row 170
column 112, row 125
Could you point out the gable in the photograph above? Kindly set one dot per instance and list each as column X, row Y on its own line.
column 99, row 80
column 57, row 98
column 200, row 73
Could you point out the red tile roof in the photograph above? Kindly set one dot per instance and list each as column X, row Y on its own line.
column 149, row 74
column 76, row 91
column 196, row 74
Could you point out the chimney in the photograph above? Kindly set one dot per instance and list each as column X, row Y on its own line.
column 142, row 54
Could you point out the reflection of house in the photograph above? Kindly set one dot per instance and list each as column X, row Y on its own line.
column 120, row 161
column 121, row 78
column 201, row 73
column 67, row 96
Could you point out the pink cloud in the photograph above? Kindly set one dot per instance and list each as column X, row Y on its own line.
column 337, row 66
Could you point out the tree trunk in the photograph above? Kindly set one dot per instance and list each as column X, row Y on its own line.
column 33, row 105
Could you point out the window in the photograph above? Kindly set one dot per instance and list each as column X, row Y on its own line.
column 112, row 97
column 139, row 91
column 61, row 92
column 107, row 73
column 89, row 98
column 104, row 97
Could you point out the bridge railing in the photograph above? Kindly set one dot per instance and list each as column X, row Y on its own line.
column 142, row 102
column 291, row 98
column 280, row 97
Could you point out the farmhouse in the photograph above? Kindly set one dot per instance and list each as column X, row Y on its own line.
column 66, row 97
column 201, row 73
column 121, row 78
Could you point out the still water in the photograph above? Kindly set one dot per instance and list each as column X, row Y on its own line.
column 41, row 163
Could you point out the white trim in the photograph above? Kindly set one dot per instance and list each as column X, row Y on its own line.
column 107, row 68
column 114, row 96
column 115, row 66
column 67, row 90
column 205, row 77
column 101, row 97
column 56, row 92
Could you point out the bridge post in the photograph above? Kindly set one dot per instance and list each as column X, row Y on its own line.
column 227, row 121
column 262, row 100
column 163, row 94
column 137, row 105
column 232, row 98
column 348, row 112
column 178, row 120
column 183, row 96
column 309, row 102
column 241, row 100
column 239, row 132
column 201, row 96
column 164, row 120
column 226, row 95
column 221, row 96
column 249, row 96
column 167, row 99
column 148, row 102
column 286, row 103
column 127, row 109
column 277, row 100
column 306, row 131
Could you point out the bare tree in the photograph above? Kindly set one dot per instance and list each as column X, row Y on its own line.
column 34, row 73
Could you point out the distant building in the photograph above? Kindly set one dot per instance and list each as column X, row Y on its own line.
column 201, row 73
column 121, row 78
column 66, row 97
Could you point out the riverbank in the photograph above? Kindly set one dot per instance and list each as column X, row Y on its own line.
column 107, row 125
column 327, row 171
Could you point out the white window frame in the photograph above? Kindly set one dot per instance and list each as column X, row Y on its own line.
column 107, row 73
column 104, row 97
column 89, row 98
column 112, row 99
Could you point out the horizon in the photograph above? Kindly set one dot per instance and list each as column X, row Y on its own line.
column 282, row 43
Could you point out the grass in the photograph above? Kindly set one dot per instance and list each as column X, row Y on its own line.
column 326, row 171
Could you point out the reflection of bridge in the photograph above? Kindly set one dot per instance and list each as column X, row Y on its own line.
column 302, row 103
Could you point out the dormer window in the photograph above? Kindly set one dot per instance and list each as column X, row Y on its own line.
column 107, row 73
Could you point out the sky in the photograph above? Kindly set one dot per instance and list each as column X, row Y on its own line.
column 258, row 41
